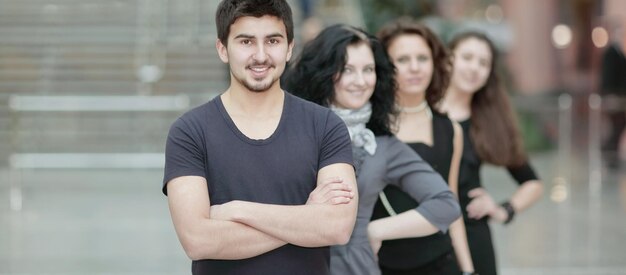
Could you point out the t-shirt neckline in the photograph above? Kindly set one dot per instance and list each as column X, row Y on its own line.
column 233, row 127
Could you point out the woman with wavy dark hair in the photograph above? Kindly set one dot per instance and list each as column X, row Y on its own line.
column 422, row 72
column 477, row 100
column 347, row 69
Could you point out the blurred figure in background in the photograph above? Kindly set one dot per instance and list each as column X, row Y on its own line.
column 477, row 100
column 311, row 23
column 307, row 7
column 613, row 83
column 311, row 27
column 347, row 69
column 423, row 69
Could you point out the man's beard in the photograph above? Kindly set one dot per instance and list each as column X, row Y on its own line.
column 260, row 86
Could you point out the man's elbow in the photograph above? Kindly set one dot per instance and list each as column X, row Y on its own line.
column 195, row 250
column 343, row 230
column 193, row 255
column 342, row 235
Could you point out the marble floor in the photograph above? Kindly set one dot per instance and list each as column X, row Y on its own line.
column 117, row 222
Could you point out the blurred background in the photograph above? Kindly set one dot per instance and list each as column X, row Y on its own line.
column 89, row 88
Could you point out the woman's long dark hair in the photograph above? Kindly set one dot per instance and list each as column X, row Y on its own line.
column 313, row 74
column 442, row 65
column 494, row 129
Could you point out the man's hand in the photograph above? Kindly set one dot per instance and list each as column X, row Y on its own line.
column 331, row 191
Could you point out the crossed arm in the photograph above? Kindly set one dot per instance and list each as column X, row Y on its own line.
column 438, row 206
column 239, row 230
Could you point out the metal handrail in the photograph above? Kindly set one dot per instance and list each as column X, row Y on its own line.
column 54, row 104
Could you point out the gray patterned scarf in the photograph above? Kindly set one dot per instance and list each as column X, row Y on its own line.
column 355, row 120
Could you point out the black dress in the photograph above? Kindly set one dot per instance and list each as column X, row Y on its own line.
column 478, row 232
column 426, row 255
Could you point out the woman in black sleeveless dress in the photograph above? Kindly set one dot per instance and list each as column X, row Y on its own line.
column 422, row 72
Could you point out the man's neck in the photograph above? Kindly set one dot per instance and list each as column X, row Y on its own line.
column 243, row 102
column 255, row 114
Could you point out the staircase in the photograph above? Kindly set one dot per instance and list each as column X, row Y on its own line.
column 102, row 48
column 111, row 48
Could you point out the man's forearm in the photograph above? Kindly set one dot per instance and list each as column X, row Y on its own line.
column 236, row 241
column 303, row 225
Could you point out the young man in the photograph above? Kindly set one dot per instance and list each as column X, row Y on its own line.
column 259, row 181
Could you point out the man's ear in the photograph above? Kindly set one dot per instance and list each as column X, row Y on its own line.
column 290, row 51
column 222, row 51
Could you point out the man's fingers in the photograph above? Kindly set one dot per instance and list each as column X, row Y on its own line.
column 340, row 200
column 332, row 191
column 332, row 180
column 335, row 186
column 340, row 193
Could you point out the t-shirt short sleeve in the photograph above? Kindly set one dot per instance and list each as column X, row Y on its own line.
column 336, row 145
column 183, row 153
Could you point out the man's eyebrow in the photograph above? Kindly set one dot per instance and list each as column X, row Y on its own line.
column 249, row 36
column 273, row 35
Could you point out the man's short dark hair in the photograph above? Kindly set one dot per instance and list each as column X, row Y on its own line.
column 229, row 11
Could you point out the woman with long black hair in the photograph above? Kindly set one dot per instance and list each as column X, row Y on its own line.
column 347, row 70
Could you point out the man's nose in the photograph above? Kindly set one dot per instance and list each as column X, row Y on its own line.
column 260, row 55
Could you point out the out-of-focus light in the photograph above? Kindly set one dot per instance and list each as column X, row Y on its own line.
column 149, row 73
column 561, row 36
column 559, row 190
column 600, row 37
column 494, row 14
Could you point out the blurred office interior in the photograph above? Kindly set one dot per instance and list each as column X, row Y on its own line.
column 89, row 88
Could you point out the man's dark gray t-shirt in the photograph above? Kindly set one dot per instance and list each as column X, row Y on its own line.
column 281, row 169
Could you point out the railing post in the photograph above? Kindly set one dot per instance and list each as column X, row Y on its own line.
column 565, row 137
column 595, row 157
column 15, row 181
column 560, row 184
